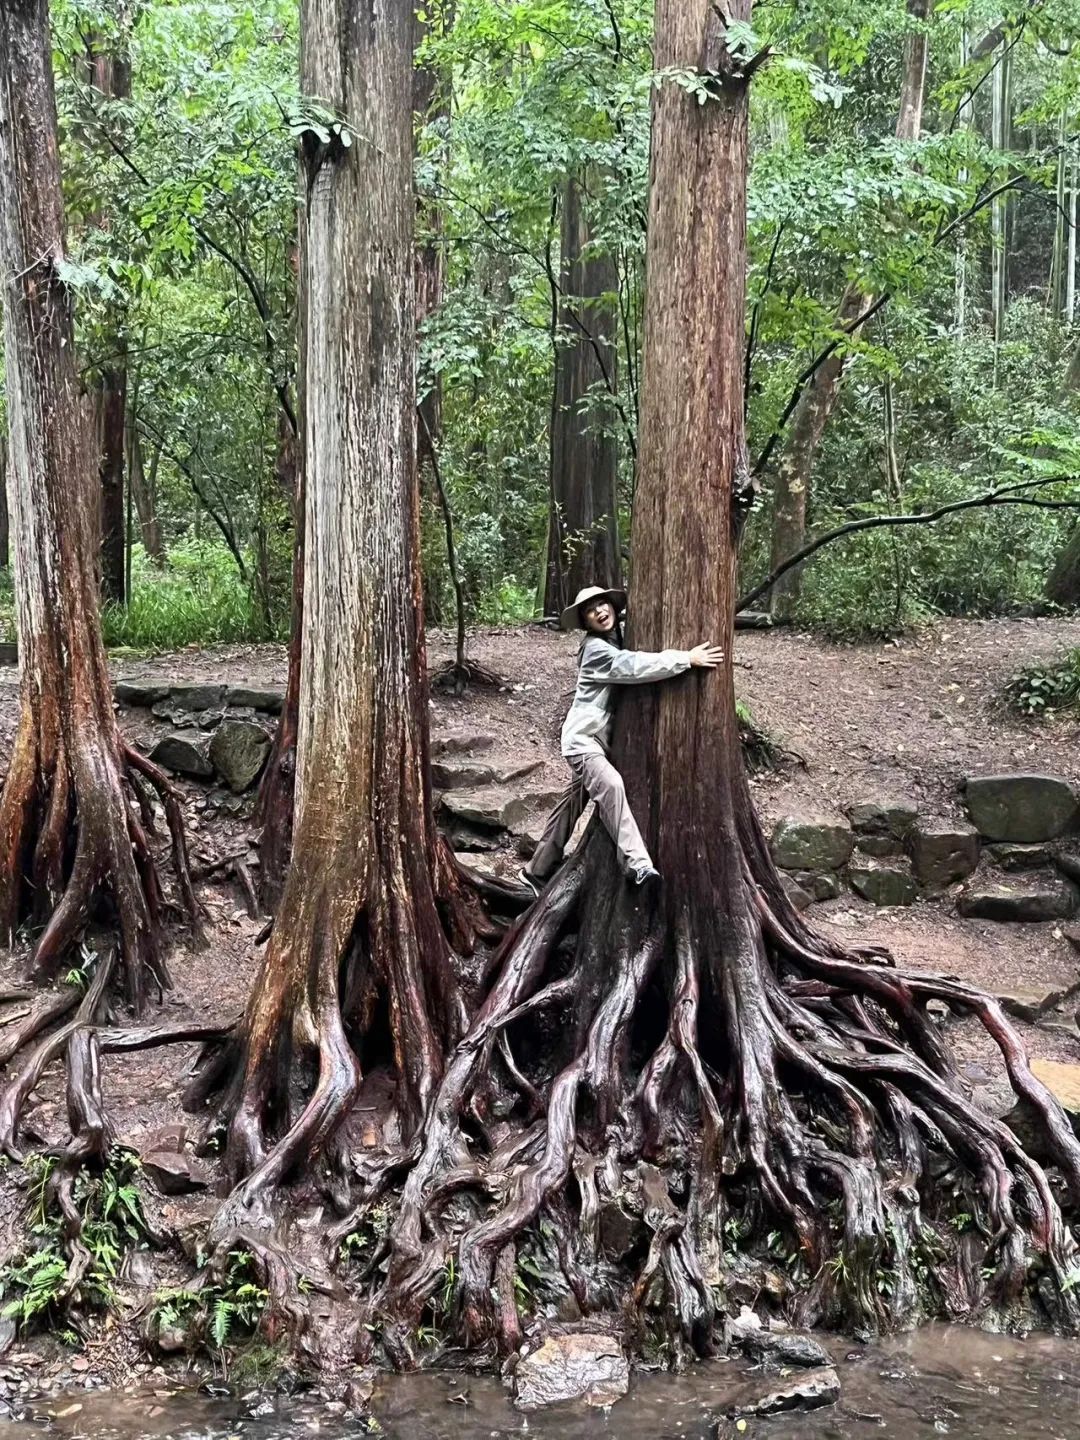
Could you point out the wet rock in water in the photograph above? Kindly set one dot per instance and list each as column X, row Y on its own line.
column 943, row 851
column 184, row 755
column 238, row 753
column 143, row 693
column 794, row 891
column 785, row 1347
column 1007, row 856
column 811, row 843
column 1033, row 896
column 174, row 1174
column 810, row 1391
column 195, row 695
column 883, row 884
column 883, row 818
column 818, row 887
column 460, row 775
column 461, row 742
column 1022, row 808
column 358, row 1392
column 588, row 1366
column 269, row 701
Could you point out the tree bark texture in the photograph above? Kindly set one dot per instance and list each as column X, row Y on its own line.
column 583, row 522
column 110, row 78
column 143, row 485
column 359, row 922
column 69, row 834
column 705, row 1062
column 794, row 474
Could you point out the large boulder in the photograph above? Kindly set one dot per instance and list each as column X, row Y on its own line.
column 587, row 1366
column 143, row 693
column 184, row 755
column 883, row 884
column 811, row 843
column 238, row 753
column 1035, row 895
column 461, row 775
column 943, row 851
column 476, row 807
column 1023, row 808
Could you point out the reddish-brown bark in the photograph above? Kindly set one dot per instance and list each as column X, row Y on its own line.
column 73, row 812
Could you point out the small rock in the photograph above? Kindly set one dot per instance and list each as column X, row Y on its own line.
column 196, row 695
column 1007, row 856
column 142, row 693
column 882, row 884
column 879, row 846
column 138, row 1270
column 1029, row 1003
column 883, row 817
column 170, row 1340
column 587, row 1366
column 358, row 1392
column 463, row 836
column 943, row 851
column 462, row 742
column 238, row 753
column 184, row 755
column 1035, row 896
column 1022, row 808
column 811, row 843
column 165, row 1137
column 460, row 775
column 269, row 701
column 825, row 886
column 80, row 1364
column 174, row 1174
column 785, row 1347
column 794, row 891
column 811, row 1391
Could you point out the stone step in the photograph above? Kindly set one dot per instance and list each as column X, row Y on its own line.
column 1033, row 895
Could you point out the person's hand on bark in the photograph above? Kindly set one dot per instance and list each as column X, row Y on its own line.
column 706, row 657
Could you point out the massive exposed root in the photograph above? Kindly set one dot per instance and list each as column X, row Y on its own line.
column 773, row 1114
column 76, row 822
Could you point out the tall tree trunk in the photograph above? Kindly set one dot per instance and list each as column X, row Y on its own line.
column 360, row 933
column 707, row 1063
column 431, row 105
column 110, row 77
column 5, row 535
column 1059, row 258
column 583, row 521
column 965, row 117
column 68, row 835
column 794, row 473
column 1000, row 139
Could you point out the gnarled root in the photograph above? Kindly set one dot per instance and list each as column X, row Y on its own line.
column 761, row 1103
column 75, row 822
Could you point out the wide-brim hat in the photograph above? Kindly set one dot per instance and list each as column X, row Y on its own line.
column 572, row 619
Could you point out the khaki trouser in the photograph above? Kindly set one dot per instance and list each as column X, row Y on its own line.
column 594, row 777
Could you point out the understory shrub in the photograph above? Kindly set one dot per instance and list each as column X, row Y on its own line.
column 1044, row 688
column 196, row 598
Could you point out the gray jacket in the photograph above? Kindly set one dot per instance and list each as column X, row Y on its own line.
column 587, row 728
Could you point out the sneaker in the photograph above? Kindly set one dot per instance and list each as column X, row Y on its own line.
column 647, row 875
column 526, row 879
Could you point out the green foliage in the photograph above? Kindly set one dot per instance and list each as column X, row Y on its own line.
column 1041, row 690
column 35, row 1284
column 222, row 1311
column 196, row 598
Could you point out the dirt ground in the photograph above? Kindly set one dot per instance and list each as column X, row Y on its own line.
column 906, row 719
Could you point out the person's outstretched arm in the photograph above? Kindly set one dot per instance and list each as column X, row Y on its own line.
column 610, row 666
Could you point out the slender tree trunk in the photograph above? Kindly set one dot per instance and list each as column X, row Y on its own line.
column 583, row 524
column 706, row 1063
column 143, row 484
column 68, row 835
column 5, row 537
column 964, row 122
column 1000, row 139
column 431, row 106
column 359, row 921
column 1070, row 249
column 1059, row 259
column 794, row 473
column 110, row 77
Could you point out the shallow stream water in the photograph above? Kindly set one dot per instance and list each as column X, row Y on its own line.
column 939, row 1381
